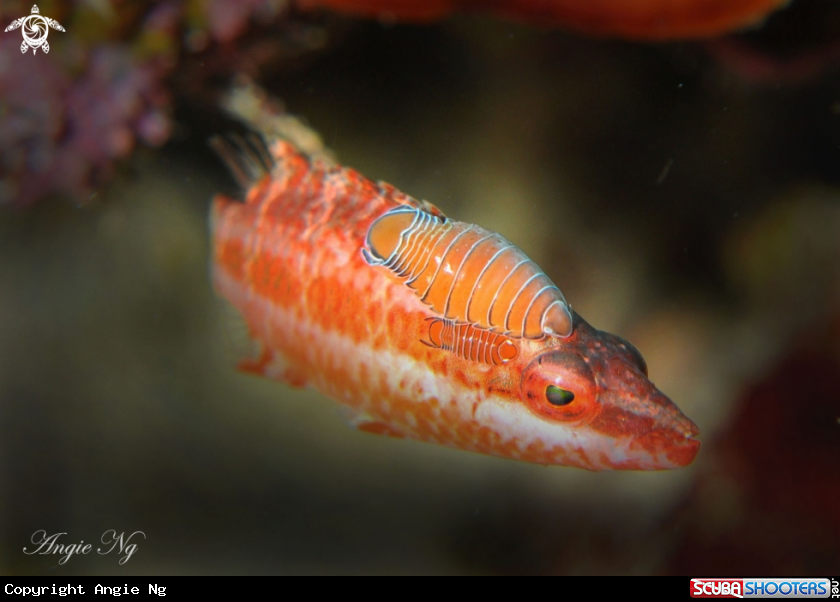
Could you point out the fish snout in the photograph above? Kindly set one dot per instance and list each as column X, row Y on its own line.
column 649, row 433
column 671, row 439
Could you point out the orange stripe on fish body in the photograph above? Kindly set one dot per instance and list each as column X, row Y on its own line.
column 471, row 342
column 294, row 260
column 468, row 274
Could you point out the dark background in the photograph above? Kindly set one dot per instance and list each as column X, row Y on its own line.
column 679, row 195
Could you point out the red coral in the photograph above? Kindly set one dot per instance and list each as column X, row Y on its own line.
column 632, row 19
column 229, row 18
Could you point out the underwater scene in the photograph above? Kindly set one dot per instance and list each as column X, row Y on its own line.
column 531, row 287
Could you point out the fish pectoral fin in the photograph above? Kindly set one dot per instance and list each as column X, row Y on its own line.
column 255, row 365
column 253, row 355
column 368, row 424
column 271, row 365
column 380, row 428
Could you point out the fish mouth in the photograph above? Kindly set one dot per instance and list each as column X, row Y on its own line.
column 687, row 429
column 671, row 442
column 658, row 435
column 683, row 453
column 676, row 436
column 663, row 449
column 679, row 444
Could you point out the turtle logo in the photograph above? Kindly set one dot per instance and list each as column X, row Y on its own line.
column 35, row 29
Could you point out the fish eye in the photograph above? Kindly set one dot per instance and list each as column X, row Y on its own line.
column 560, row 386
column 558, row 397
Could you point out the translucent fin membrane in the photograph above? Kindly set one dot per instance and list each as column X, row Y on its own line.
column 247, row 158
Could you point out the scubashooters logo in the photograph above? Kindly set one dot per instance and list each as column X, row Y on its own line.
column 760, row 588
column 35, row 29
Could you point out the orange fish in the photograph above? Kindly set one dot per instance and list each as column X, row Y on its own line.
column 429, row 328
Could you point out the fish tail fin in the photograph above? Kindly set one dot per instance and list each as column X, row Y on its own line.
column 247, row 157
column 254, row 107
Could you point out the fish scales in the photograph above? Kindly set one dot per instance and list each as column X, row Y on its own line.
column 294, row 259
